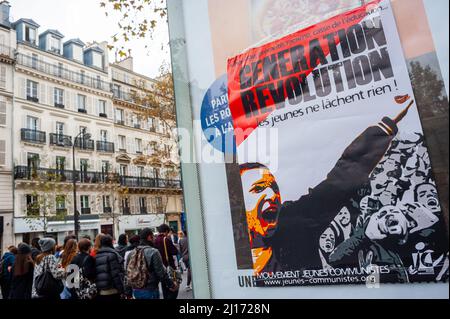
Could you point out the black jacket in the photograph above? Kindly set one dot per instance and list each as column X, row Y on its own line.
column 156, row 269
column 295, row 243
column 109, row 270
column 122, row 250
column 21, row 286
column 87, row 263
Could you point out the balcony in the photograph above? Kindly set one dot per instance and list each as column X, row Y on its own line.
column 85, row 211
column 143, row 210
column 33, row 136
column 59, row 105
column 143, row 182
column 62, row 176
column 85, row 145
column 60, row 140
column 6, row 52
column 106, row 147
column 66, row 74
column 107, row 210
column 82, row 111
column 120, row 122
column 32, row 99
column 103, row 115
column 33, row 212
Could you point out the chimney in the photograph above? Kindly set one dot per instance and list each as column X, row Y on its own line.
column 5, row 8
column 127, row 63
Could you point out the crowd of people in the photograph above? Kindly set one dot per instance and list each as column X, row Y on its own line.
column 135, row 268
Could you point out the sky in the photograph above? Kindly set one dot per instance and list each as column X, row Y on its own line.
column 85, row 19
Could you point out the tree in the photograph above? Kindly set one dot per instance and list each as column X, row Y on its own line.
column 138, row 19
column 429, row 90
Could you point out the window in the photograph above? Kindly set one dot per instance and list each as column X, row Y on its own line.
column 60, row 163
column 102, row 107
column 151, row 124
column 105, row 167
column 2, row 152
column 81, row 103
column 122, row 143
column 106, row 201
column 116, row 91
column 82, row 76
column 120, row 116
column 32, row 205
column 97, row 60
column 84, row 202
column 104, row 136
column 33, row 161
column 99, row 82
column 84, row 165
column 30, row 34
column 140, row 170
column 55, row 45
column 138, row 146
column 34, row 61
column 60, row 70
column 59, row 97
column 32, row 89
column 32, row 123
column 143, row 205
column 60, row 203
column 123, row 170
column 2, row 113
column 59, row 128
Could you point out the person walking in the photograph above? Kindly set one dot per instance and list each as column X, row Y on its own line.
column 122, row 245
column 145, row 269
column 109, row 271
column 134, row 243
column 47, row 263
column 6, row 265
column 184, row 252
column 168, row 253
column 23, row 269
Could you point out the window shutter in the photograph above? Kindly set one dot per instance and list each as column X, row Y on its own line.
column 50, row 95
column 109, row 110
column 2, row 113
column 2, row 152
column 22, row 88
column 89, row 106
column 42, row 93
column 23, row 205
column 23, row 158
column 74, row 101
column 3, row 77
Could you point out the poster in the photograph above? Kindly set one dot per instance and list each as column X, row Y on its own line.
column 335, row 172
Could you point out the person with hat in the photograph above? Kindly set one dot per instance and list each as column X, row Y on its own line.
column 47, row 261
column 23, row 269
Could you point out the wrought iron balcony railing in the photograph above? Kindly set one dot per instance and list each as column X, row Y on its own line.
column 33, row 136
column 143, row 182
column 84, row 144
column 64, row 73
column 63, row 176
column 60, row 140
column 106, row 147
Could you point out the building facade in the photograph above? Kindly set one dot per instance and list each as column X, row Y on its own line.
column 67, row 134
column 7, row 45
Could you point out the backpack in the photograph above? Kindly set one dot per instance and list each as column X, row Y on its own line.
column 85, row 289
column 137, row 270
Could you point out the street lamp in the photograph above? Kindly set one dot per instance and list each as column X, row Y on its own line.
column 76, row 214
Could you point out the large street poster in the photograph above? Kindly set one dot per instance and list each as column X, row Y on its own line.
column 336, row 176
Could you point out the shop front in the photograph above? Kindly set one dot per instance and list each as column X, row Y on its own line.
column 132, row 225
column 26, row 229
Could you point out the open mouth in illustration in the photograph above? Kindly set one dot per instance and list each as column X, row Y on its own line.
column 269, row 212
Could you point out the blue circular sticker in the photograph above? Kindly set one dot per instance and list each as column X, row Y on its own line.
column 217, row 123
